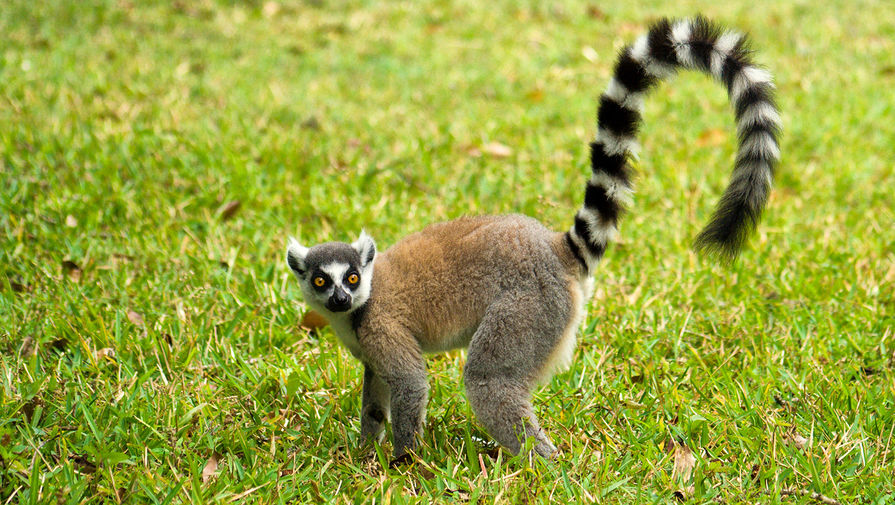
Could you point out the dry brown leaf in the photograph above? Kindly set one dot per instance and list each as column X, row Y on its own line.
column 82, row 464
column 70, row 221
column 535, row 95
column 211, row 467
column 311, row 123
column 685, row 493
column 497, row 150
column 590, row 54
column 27, row 349
column 72, row 270
column 105, row 352
column 270, row 9
column 684, row 461
column 826, row 500
column 457, row 494
column 756, row 472
column 135, row 317
column 312, row 320
column 229, row 209
column 711, row 138
column 798, row 441
column 595, row 12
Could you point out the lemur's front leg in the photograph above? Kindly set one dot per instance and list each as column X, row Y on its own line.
column 409, row 393
column 397, row 360
column 374, row 407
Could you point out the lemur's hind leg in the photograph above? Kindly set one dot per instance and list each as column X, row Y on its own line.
column 511, row 350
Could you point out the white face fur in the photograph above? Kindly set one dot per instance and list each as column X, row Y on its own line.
column 334, row 277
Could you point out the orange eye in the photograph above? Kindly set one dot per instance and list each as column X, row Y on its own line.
column 319, row 281
column 353, row 278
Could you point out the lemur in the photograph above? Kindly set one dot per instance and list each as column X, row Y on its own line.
column 510, row 289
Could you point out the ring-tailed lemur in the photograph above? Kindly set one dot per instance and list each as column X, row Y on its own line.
column 507, row 287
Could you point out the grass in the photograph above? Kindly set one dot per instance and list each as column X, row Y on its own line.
column 155, row 156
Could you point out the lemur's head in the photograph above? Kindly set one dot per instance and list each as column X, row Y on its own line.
column 334, row 276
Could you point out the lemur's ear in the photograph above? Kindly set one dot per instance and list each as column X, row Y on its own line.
column 295, row 256
column 365, row 247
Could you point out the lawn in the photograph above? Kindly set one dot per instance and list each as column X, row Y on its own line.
column 155, row 156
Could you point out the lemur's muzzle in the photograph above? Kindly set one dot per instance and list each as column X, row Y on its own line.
column 340, row 301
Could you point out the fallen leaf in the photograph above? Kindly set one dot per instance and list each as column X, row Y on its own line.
column 82, row 464
column 685, row 494
column 457, row 494
column 497, row 150
column 590, row 54
column 229, row 209
column 135, row 317
column 29, row 406
column 70, row 221
column 535, row 95
column 72, row 270
column 105, row 352
column 182, row 69
column 311, row 123
column 595, row 12
column 826, row 500
column 684, row 461
column 270, row 9
column 27, row 349
column 211, row 467
column 312, row 321
column 711, row 138
column 798, row 441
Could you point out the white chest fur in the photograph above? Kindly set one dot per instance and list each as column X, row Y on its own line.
column 342, row 327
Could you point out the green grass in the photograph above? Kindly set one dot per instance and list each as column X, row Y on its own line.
column 146, row 329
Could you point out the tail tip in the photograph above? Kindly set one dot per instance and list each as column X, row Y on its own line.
column 719, row 245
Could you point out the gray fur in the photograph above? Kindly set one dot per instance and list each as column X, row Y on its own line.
column 375, row 406
column 447, row 287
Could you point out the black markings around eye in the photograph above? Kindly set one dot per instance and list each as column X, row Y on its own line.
column 351, row 280
column 320, row 281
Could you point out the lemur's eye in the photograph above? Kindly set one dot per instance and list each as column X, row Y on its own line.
column 353, row 278
column 319, row 281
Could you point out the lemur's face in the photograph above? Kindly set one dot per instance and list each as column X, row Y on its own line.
column 334, row 276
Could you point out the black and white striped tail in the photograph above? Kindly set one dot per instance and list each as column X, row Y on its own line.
column 696, row 44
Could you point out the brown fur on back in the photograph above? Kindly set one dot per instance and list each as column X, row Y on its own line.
column 437, row 283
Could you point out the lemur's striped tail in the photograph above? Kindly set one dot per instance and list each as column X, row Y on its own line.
column 696, row 44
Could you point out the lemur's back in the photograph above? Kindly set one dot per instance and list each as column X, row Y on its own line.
column 440, row 281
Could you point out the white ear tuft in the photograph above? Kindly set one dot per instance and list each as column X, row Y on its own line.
column 295, row 256
column 365, row 247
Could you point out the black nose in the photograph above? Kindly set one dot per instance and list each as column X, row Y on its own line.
column 339, row 301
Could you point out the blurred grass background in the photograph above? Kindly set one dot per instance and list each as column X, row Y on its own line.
column 155, row 155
